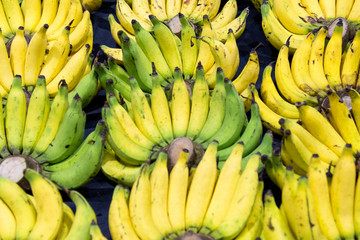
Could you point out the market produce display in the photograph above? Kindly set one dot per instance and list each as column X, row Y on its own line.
column 171, row 119
column 282, row 19
column 203, row 201
column 48, row 136
column 43, row 214
column 49, row 38
column 323, row 205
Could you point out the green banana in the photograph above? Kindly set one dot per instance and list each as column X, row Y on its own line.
column 3, row 144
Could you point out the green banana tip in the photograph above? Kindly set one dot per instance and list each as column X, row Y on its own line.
column 133, row 22
column 264, row 157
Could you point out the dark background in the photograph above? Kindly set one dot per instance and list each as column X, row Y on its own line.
column 99, row 191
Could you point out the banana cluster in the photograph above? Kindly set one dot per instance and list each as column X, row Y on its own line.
column 324, row 204
column 167, row 51
column 43, row 214
column 204, row 201
column 49, row 38
column 170, row 118
column 167, row 11
column 282, row 19
column 39, row 133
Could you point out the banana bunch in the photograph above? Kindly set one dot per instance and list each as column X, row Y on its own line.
column 167, row 51
column 186, row 201
column 42, row 214
column 49, row 38
column 321, row 205
column 168, row 12
column 172, row 118
column 282, row 19
column 48, row 136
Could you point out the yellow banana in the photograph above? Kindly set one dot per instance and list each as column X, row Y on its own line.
column 7, row 220
column 354, row 14
column 173, row 8
column 6, row 72
column 313, row 8
column 226, row 15
column 13, row 14
column 328, row 7
column 48, row 13
column 158, row 8
column 31, row 10
column 350, row 67
column 61, row 14
column 18, row 52
column 142, row 9
column 78, row 36
column 186, row 7
column 4, row 25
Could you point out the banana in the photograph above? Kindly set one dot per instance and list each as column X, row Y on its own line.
column 300, row 67
column 354, row 12
column 36, row 117
column 249, row 74
column 158, row 8
column 255, row 221
column 71, row 72
column 126, row 149
column 275, row 32
column 350, row 67
column 20, row 205
column 343, row 8
column 13, row 14
column 167, row 43
column 140, row 206
column 275, row 225
column 143, row 115
column 202, row 8
column 6, row 71
column 200, row 100
column 159, row 182
column 49, row 206
column 312, row 143
column 35, row 56
column 224, row 190
column 355, row 97
column 120, row 224
column 4, row 25
column 313, row 121
column 160, row 109
column 226, row 15
column 58, row 109
column 328, row 7
column 316, row 60
column 95, row 232
column 304, row 226
column 186, row 8
column 61, row 14
column 84, row 164
column 332, row 57
column 201, row 189
column 18, row 50
column 180, row 105
column 319, row 189
column 343, row 120
column 71, row 126
column 48, row 13
column 251, row 135
column 3, row 144
column 115, row 27
column 344, row 180
column 313, row 8
column 241, row 203
column 274, row 167
column 68, row 218
column 15, row 115
column 357, row 209
column 231, row 44
column 237, row 25
column 234, row 119
column 57, row 56
column 7, row 220
column 151, row 49
column 125, row 14
column 31, row 10
column 142, row 9
column 272, row 98
column 177, row 194
column 127, row 124
column 78, row 36
column 285, row 81
column 173, row 7
column 217, row 110
column 189, row 51
column 84, row 215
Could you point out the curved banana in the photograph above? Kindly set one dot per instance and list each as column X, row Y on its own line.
column 13, row 14
column 49, row 206
column 48, row 13
column 355, row 98
column 187, row 7
column 177, row 195
column 6, row 71
column 4, row 25
column 21, row 206
column 354, row 14
column 115, row 27
column 272, row 98
column 31, row 10
column 224, row 190
column 158, row 8
column 78, row 36
column 68, row 218
column 36, row 116
column 142, row 9
column 140, row 206
column 226, row 15
column 328, row 7
column 61, row 14
column 350, row 67
column 7, row 220
column 15, row 115
column 313, row 8
column 18, row 50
